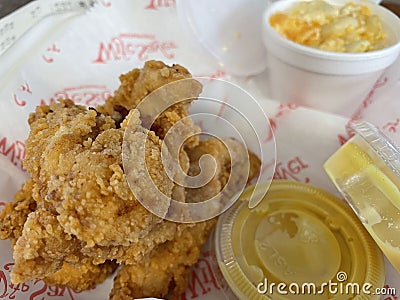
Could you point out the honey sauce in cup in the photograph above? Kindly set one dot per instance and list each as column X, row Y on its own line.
column 366, row 170
column 328, row 54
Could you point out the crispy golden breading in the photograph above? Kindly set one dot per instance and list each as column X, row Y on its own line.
column 82, row 197
column 14, row 214
column 162, row 232
column 217, row 149
column 12, row 220
column 57, row 133
column 80, row 175
column 139, row 83
column 74, row 158
column 166, row 273
column 42, row 247
column 81, row 277
column 255, row 166
column 66, row 146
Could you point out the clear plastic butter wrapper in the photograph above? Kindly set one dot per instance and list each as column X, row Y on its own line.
column 300, row 242
column 366, row 170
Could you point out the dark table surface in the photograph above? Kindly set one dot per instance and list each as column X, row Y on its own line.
column 7, row 6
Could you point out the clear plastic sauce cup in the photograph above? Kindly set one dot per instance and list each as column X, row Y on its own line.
column 294, row 244
column 366, row 170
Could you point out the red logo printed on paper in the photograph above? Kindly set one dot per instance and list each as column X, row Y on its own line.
column 267, row 165
column 283, row 109
column 349, row 133
column 391, row 296
column 14, row 151
column 343, row 139
column 36, row 290
column 50, row 53
column 200, row 124
column 369, row 99
column 156, row 4
column 89, row 95
column 19, row 98
column 291, row 169
column 392, row 126
column 217, row 74
column 202, row 280
column 128, row 45
column 222, row 108
column 105, row 3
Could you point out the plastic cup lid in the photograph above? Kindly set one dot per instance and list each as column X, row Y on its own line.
column 380, row 144
column 228, row 29
column 298, row 236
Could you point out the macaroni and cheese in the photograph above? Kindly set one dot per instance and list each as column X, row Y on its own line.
column 318, row 24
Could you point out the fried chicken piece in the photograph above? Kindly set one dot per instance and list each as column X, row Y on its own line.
column 81, row 277
column 83, row 197
column 139, row 83
column 12, row 220
column 67, row 145
column 80, row 175
column 130, row 254
column 45, row 251
column 86, row 214
column 166, row 273
column 56, row 130
column 255, row 166
column 218, row 151
column 211, row 146
column 14, row 214
column 246, row 167
column 42, row 247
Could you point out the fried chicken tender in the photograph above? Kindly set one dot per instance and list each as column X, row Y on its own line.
column 43, row 238
column 80, row 198
column 14, row 214
column 83, row 276
column 139, row 83
column 80, row 175
column 12, row 220
column 58, row 131
column 218, row 149
column 76, row 218
column 130, row 254
column 74, row 159
column 166, row 273
column 42, row 247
